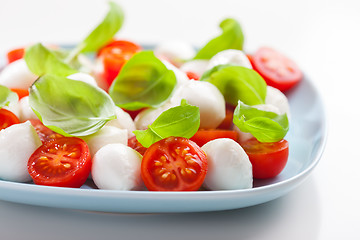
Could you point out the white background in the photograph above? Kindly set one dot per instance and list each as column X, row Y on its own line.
column 323, row 37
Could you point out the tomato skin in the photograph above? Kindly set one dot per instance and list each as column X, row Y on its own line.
column 227, row 123
column 114, row 56
column 45, row 134
column 15, row 54
column 267, row 159
column 277, row 70
column 192, row 76
column 134, row 144
column 7, row 118
column 20, row 92
column 203, row 136
column 64, row 162
column 174, row 164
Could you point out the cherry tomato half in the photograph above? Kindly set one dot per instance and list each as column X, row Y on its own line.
column 7, row 118
column 63, row 162
column 20, row 92
column 174, row 164
column 15, row 54
column 267, row 159
column 45, row 134
column 227, row 123
column 277, row 70
column 114, row 56
column 203, row 136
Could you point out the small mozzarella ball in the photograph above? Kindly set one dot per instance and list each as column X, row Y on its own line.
column 229, row 167
column 14, row 108
column 276, row 98
column 207, row 97
column 242, row 136
column 17, row 144
column 230, row 56
column 123, row 121
column 26, row 111
column 117, row 167
column 17, row 75
column 106, row 135
column 83, row 77
column 196, row 66
column 176, row 52
column 148, row 116
column 98, row 72
column 181, row 77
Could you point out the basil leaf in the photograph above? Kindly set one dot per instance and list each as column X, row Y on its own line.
column 7, row 96
column 70, row 107
column 41, row 60
column 180, row 121
column 264, row 126
column 104, row 32
column 144, row 81
column 231, row 38
column 237, row 83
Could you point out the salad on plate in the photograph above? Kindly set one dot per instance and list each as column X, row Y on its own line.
column 168, row 118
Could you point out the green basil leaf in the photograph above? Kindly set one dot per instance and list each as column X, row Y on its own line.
column 263, row 125
column 69, row 107
column 180, row 121
column 237, row 83
column 7, row 96
column 231, row 38
column 41, row 60
column 144, row 81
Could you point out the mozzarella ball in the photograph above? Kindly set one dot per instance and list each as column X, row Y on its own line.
column 277, row 99
column 123, row 120
column 15, row 108
column 175, row 52
column 17, row 144
column 229, row 167
column 207, row 97
column 230, row 56
column 26, row 111
column 106, row 135
column 148, row 116
column 17, row 75
column 181, row 77
column 117, row 167
column 83, row 77
column 196, row 66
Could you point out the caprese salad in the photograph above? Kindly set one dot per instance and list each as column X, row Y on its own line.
column 171, row 118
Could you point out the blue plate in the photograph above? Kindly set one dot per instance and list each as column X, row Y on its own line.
column 306, row 137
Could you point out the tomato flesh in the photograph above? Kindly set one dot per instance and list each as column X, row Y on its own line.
column 203, row 136
column 277, row 70
column 7, row 118
column 267, row 159
column 63, row 162
column 45, row 134
column 15, row 54
column 174, row 164
column 20, row 92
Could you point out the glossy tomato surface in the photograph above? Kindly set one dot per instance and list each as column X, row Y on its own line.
column 267, row 159
column 203, row 136
column 277, row 70
column 15, row 54
column 7, row 118
column 63, row 162
column 45, row 134
column 134, row 144
column 20, row 92
column 174, row 164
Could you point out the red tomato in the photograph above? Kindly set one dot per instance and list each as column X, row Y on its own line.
column 15, row 54
column 114, row 56
column 64, row 162
column 227, row 123
column 192, row 76
column 277, row 70
column 267, row 159
column 174, row 164
column 134, row 144
column 203, row 136
column 7, row 118
column 45, row 133
column 20, row 92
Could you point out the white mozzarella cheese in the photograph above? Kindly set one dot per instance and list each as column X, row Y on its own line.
column 181, row 77
column 230, row 56
column 123, row 121
column 26, row 112
column 175, row 51
column 148, row 116
column 276, row 98
column 196, row 66
column 17, row 75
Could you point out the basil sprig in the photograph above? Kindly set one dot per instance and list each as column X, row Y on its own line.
column 232, row 37
column 7, row 96
column 263, row 125
column 180, row 121
column 69, row 107
column 144, row 81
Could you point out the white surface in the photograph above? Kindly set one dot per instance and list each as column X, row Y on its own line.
column 320, row 35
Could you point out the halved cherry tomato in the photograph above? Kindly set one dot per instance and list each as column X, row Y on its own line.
column 114, row 56
column 15, row 54
column 20, row 92
column 64, row 162
column 203, row 136
column 267, row 159
column 174, row 164
column 277, row 70
column 134, row 144
column 192, row 76
column 227, row 123
column 7, row 118
column 45, row 134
